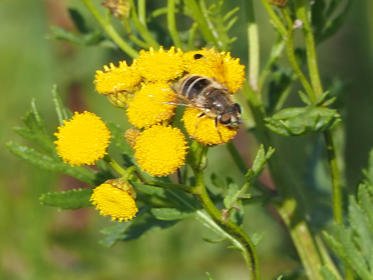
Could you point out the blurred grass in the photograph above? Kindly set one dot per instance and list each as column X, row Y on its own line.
column 41, row 243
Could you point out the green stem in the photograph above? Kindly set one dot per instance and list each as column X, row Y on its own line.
column 254, row 54
column 115, row 166
column 301, row 11
column 142, row 12
column 132, row 37
column 192, row 35
column 292, row 58
column 110, row 30
column 201, row 21
column 336, row 184
column 211, row 26
column 302, row 238
column 171, row 23
column 301, row 8
column 241, row 240
column 237, row 158
column 143, row 30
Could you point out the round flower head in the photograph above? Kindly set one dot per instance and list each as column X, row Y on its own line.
column 220, row 66
column 205, row 62
column 160, row 150
column 117, row 79
column 150, row 105
column 160, row 65
column 233, row 73
column 203, row 129
column 82, row 139
column 113, row 201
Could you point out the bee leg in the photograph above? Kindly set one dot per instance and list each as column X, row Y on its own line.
column 201, row 115
column 217, row 129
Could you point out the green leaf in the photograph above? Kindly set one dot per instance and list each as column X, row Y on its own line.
column 231, row 196
column 171, row 214
column 63, row 113
column 88, row 39
column 52, row 163
column 78, row 20
column 368, row 173
column 302, row 120
column 327, row 274
column 113, row 234
column 72, row 199
column 35, row 130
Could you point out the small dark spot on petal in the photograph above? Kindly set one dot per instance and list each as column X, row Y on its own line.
column 198, row 56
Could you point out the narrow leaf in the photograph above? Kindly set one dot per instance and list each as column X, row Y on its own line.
column 171, row 214
column 62, row 112
column 72, row 199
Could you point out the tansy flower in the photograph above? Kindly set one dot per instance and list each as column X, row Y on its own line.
column 160, row 65
column 114, row 79
column 160, row 150
column 205, row 62
column 83, row 139
column 150, row 105
column 220, row 66
column 233, row 72
column 203, row 129
column 113, row 201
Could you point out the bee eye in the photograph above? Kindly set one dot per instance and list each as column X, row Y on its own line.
column 198, row 56
column 237, row 108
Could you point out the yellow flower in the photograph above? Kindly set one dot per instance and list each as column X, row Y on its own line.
column 203, row 129
column 117, row 79
column 205, row 62
column 220, row 66
column 149, row 105
column 233, row 73
column 160, row 150
column 114, row 201
column 83, row 139
column 160, row 65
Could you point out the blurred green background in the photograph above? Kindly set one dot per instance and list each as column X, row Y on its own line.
column 38, row 242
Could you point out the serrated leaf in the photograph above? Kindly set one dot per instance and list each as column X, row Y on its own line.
column 171, row 214
column 63, row 113
column 304, row 97
column 302, row 120
column 231, row 196
column 35, row 130
column 88, row 39
column 142, row 225
column 368, row 172
column 52, row 164
column 113, row 234
column 72, row 199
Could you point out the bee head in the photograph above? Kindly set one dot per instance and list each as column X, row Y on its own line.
column 231, row 117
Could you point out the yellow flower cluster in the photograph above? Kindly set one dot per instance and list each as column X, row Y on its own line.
column 115, row 200
column 146, row 89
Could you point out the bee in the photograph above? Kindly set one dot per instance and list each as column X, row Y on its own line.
column 211, row 97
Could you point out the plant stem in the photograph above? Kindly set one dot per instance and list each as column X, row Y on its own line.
column 242, row 241
column 292, row 57
column 143, row 30
column 313, row 68
column 142, row 12
column 115, row 166
column 302, row 238
column 200, row 20
column 131, row 36
column 171, row 23
column 110, row 30
column 301, row 9
column 237, row 158
column 254, row 54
